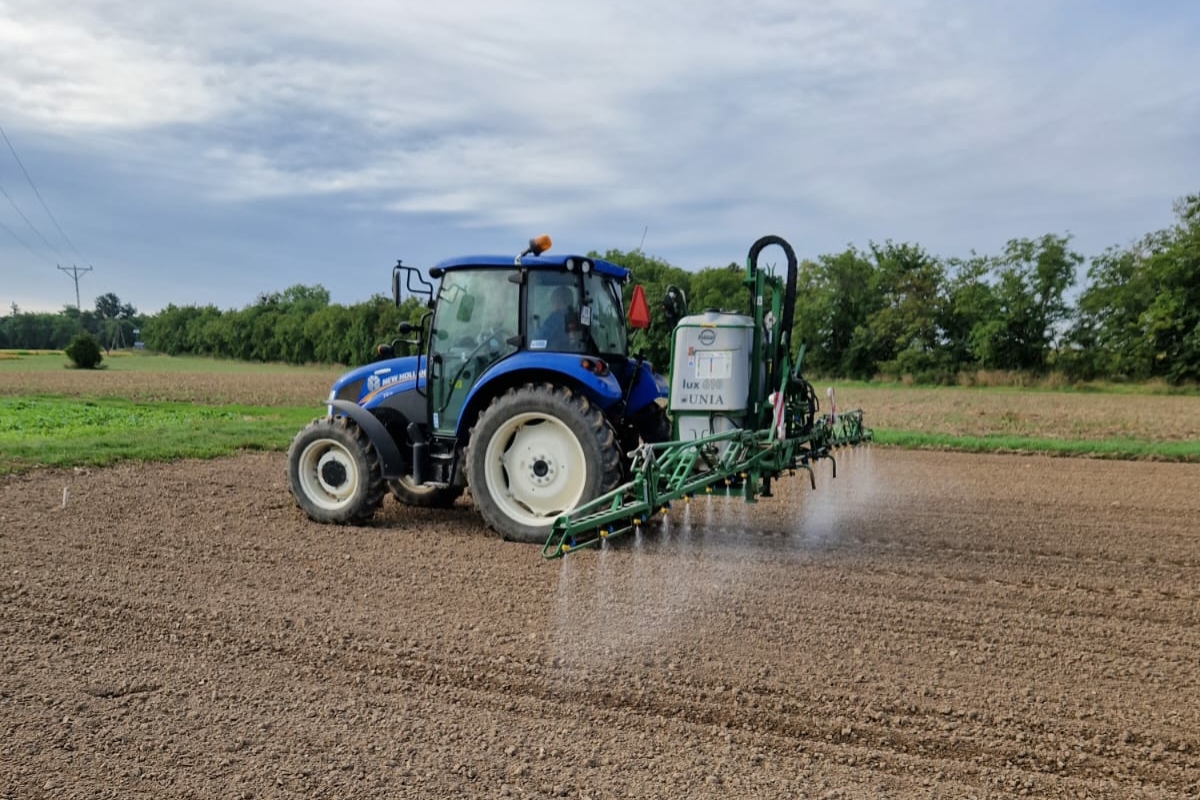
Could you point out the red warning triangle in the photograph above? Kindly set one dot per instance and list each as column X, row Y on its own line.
column 639, row 311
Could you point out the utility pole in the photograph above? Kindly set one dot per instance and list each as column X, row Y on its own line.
column 75, row 272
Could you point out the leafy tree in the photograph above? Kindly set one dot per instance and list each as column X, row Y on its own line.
column 1140, row 316
column 968, row 309
column 720, row 288
column 114, row 320
column 903, row 334
column 108, row 306
column 1033, row 276
column 304, row 298
column 835, row 296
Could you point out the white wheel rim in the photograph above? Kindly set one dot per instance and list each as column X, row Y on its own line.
column 535, row 469
column 321, row 465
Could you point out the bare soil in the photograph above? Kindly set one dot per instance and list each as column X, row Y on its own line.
column 927, row 625
column 1042, row 414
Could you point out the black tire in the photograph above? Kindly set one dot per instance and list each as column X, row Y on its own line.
column 566, row 454
column 424, row 496
column 334, row 472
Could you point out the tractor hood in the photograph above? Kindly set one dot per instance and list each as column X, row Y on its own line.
column 368, row 384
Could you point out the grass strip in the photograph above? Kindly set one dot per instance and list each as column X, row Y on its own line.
column 65, row 432
column 1128, row 449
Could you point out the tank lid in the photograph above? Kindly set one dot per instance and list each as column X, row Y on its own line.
column 718, row 319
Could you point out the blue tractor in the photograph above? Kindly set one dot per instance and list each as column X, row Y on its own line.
column 523, row 392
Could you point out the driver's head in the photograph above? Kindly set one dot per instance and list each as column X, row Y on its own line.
column 561, row 297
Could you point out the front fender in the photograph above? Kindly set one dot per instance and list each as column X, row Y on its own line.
column 385, row 445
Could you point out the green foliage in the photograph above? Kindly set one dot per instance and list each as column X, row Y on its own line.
column 720, row 288
column 296, row 326
column 836, row 296
column 1140, row 316
column 1033, row 278
column 903, row 335
column 84, row 352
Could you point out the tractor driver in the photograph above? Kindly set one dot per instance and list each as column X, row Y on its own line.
column 560, row 330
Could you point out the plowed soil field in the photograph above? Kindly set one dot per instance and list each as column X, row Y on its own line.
column 930, row 625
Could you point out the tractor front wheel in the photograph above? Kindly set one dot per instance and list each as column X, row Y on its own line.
column 537, row 452
column 334, row 472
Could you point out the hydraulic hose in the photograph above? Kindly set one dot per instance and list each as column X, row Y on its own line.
column 783, row 327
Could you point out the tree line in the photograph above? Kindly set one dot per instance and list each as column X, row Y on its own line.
column 891, row 309
column 112, row 324
column 896, row 310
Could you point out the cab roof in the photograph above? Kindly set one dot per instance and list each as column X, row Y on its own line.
column 554, row 262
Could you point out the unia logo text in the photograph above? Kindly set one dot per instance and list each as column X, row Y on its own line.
column 703, row 392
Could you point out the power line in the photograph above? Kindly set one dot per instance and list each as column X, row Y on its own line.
column 13, row 234
column 32, row 227
column 38, row 194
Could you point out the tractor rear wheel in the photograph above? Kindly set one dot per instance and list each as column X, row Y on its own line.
column 334, row 472
column 408, row 493
column 535, row 453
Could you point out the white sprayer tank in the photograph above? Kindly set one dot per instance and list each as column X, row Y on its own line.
column 710, row 373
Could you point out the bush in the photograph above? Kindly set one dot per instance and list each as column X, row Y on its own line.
column 84, row 352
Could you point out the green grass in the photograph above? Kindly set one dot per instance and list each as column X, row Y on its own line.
column 49, row 430
column 999, row 443
column 41, row 425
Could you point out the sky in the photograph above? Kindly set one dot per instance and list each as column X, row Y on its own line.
column 196, row 153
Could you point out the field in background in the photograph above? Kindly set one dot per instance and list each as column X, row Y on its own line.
column 153, row 378
column 262, row 405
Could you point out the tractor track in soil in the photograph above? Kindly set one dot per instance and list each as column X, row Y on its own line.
column 926, row 625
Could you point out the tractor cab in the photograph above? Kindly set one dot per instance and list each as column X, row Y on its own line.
column 522, row 390
column 494, row 315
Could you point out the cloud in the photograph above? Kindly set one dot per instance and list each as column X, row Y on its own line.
column 957, row 125
column 63, row 73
